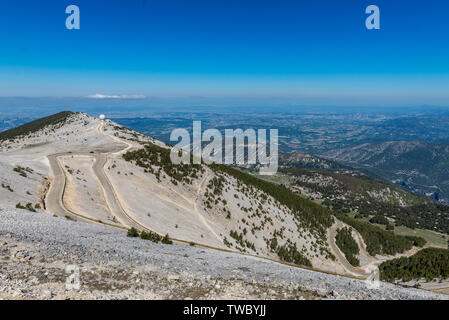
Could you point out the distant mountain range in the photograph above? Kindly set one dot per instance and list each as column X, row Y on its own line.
column 307, row 161
column 422, row 167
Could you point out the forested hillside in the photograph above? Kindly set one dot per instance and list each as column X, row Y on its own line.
column 429, row 263
column 35, row 125
column 353, row 191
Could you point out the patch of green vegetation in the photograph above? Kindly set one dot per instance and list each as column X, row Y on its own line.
column 7, row 187
column 429, row 263
column 289, row 253
column 156, row 160
column 28, row 206
column 379, row 241
column 348, row 245
column 239, row 238
column 150, row 235
column 379, row 220
column 432, row 237
column 35, row 125
column 227, row 243
column 166, row 240
column 133, row 233
column 23, row 171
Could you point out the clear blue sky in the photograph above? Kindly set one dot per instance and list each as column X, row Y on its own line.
column 227, row 47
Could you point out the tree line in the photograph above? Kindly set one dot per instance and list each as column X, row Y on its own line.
column 429, row 264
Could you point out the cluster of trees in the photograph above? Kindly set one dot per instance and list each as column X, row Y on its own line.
column 429, row 263
column 289, row 253
column 427, row 215
column 379, row 220
column 149, row 235
column 34, row 126
column 239, row 238
column 155, row 159
column 348, row 246
column 379, row 241
column 216, row 185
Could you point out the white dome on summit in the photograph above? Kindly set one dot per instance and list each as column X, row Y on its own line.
column 102, row 117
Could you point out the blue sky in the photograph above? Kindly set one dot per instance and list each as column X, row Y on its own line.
column 299, row 49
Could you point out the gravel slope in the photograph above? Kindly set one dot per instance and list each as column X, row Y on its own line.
column 35, row 248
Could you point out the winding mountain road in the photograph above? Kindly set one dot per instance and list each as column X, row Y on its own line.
column 54, row 201
column 332, row 232
column 55, row 197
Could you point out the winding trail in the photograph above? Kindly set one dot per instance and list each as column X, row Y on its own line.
column 54, row 200
column 332, row 232
column 198, row 213
column 370, row 270
column 193, row 202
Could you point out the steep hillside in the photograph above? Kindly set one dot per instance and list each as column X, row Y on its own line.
column 86, row 169
column 36, row 125
column 222, row 207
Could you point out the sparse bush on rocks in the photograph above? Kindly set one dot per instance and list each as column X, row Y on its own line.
column 166, row 240
column 133, row 232
column 28, row 206
column 7, row 187
column 150, row 235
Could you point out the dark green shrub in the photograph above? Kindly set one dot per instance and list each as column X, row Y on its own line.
column 166, row 240
column 150, row 235
column 133, row 232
